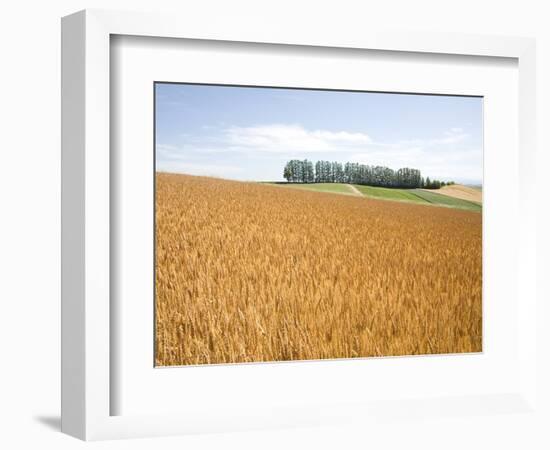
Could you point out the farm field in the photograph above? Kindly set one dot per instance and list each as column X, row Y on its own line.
column 382, row 193
column 446, row 196
column 250, row 272
column 473, row 194
column 445, row 200
column 335, row 188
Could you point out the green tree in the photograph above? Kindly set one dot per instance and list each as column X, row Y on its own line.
column 286, row 172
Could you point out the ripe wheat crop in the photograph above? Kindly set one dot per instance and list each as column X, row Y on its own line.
column 247, row 272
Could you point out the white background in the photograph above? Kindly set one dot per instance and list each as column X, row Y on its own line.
column 29, row 225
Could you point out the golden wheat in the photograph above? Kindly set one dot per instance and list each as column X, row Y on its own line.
column 248, row 272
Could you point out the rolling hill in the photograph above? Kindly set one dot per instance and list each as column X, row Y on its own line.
column 456, row 196
column 462, row 192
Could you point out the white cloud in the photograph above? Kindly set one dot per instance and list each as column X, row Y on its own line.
column 282, row 138
column 452, row 136
column 171, row 158
column 295, row 139
column 390, row 156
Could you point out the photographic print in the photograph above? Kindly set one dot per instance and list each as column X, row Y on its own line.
column 305, row 224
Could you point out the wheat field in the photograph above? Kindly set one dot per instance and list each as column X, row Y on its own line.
column 247, row 272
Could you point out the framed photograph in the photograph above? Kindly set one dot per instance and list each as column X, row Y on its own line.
column 269, row 229
column 264, row 255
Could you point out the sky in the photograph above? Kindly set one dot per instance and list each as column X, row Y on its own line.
column 249, row 133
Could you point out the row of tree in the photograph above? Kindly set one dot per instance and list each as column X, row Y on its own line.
column 304, row 171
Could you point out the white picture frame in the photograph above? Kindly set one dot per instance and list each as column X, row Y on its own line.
column 87, row 386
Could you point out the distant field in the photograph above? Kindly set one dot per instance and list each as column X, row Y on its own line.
column 390, row 194
column 419, row 196
column 249, row 272
column 443, row 200
column 472, row 194
column 335, row 188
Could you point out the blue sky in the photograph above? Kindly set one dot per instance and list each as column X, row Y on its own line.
column 249, row 133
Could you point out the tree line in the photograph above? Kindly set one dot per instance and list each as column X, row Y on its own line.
column 305, row 171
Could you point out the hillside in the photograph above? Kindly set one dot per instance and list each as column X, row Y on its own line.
column 462, row 192
column 444, row 197
column 333, row 188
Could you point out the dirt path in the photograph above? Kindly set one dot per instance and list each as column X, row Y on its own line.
column 355, row 191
